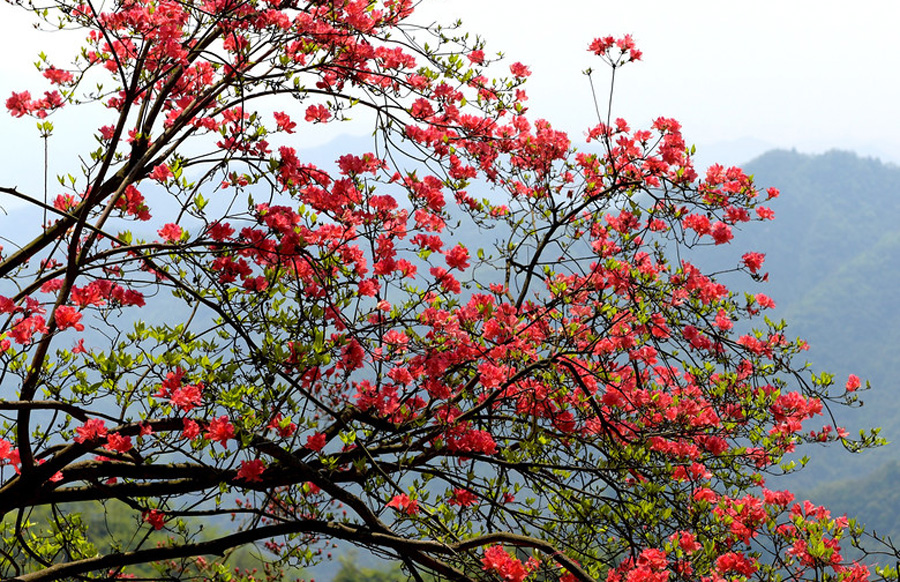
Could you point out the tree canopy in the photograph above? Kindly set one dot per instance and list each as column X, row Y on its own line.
column 473, row 348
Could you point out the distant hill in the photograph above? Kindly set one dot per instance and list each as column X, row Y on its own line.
column 833, row 254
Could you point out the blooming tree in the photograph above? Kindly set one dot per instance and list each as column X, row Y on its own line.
column 473, row 347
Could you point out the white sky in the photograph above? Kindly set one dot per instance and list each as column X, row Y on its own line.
column 742, row 77
column 814, row 75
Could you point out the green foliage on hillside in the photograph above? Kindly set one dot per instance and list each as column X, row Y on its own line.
column 833, row 254
column 111, row 526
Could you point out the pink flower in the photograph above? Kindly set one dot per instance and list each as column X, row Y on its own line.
column 58, row 76
column 67, row 316
column 853, row 383
column 170, row 232
column 251, row 470
column 519, row 70
column 723, row 322
column 20, row 104
column 107, row 132
column 476, row 57
column 764, row 301
column 397, row 339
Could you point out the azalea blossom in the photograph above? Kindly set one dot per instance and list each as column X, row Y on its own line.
column 251, row 471
column 404, row 504
column 220, row 430
column 91, row 429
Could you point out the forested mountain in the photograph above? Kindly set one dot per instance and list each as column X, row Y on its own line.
column 833, row 254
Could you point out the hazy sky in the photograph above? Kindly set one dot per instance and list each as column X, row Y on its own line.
column 809, row 74
column 742, row 77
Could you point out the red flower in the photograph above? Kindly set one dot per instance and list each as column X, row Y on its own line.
column 170, row 232
column 735, row 562
column 20, row 104
column 219, row 231
column 463, row 498
column 67, row 316
column 187, row 397
column 283, row 426
column 118, row 442
column 601, row 45
column 753, row 261
column 457, row 257
column 476, row 57
column 156, row 518
column 284, row 122
column 317, row 114
column 765, row 301
column 9, row 454
column 220, row 430
column 160, row 173
column 498, row 560
column 723, row 322
column 405, row 504
column 191, row 429
column 445, row 279
column 58, row 76
column 853, row 383
column 93, row 428
column 251, row 470
column 519, row 70
column 721, row 233
column 315, row 442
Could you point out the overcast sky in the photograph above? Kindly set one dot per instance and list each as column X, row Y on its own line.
column 742, row 77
